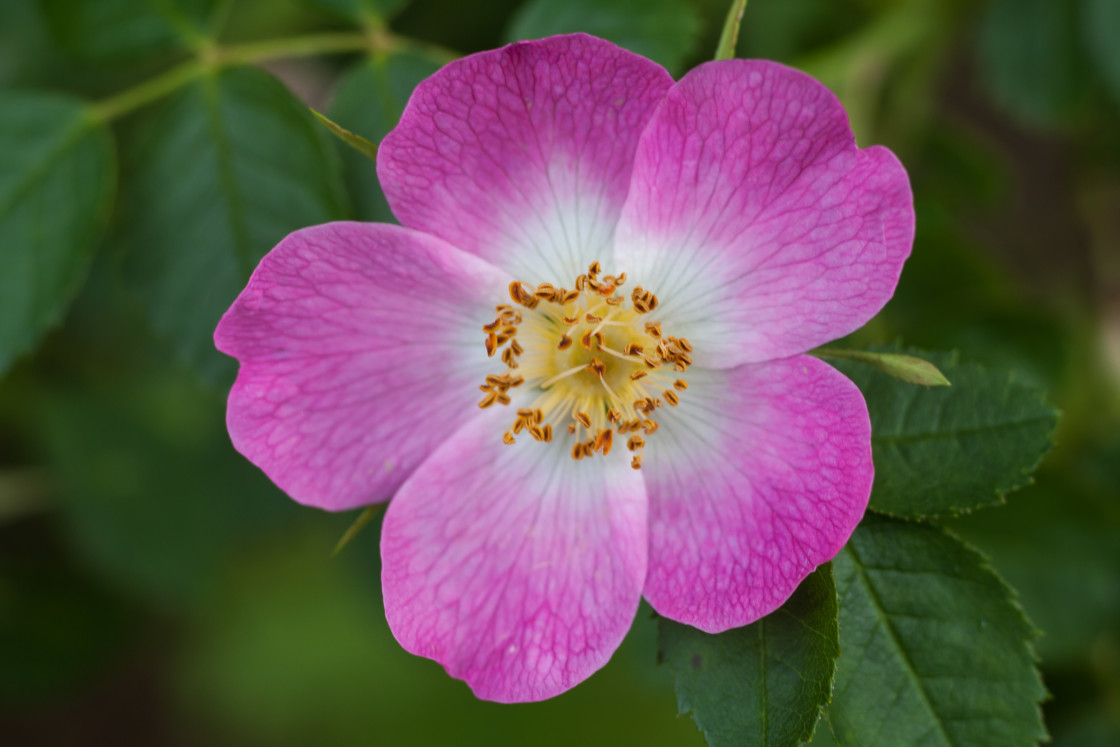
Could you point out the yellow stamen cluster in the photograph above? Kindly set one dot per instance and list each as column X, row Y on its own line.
column 591, row 359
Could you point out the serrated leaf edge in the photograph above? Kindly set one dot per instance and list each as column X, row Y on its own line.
column 89, row 124
column 1000, row 493
column 1009, row 595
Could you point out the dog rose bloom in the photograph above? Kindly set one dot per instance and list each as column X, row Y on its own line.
column 579, row 367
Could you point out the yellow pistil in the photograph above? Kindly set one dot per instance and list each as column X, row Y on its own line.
column 589, row 361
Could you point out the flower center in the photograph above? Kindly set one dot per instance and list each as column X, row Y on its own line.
column 596, row 366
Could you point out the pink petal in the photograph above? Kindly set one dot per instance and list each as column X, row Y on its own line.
column 516, row 568
column 361, row 348
column 522, row 155
column 759, row 476
column 755, row 219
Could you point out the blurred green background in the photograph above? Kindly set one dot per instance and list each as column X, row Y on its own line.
column 156, row 589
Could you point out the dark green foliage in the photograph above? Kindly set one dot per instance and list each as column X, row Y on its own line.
column 945, row 450
column 117, row 30
column 68, row 626
column 663, row 30
column 137, row 468
column 57, row 175
column 215, row 178
column 369, row 101
column 1100, row 22
column 361, row 10
column 1056, row 543
column 1028, row 50
column 153, row 579
column 763, row 684
column 935, row 649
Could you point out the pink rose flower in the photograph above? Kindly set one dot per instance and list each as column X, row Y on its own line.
column 578, row 368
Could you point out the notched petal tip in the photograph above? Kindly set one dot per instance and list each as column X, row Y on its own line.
column 499, row 151
column 750, row 166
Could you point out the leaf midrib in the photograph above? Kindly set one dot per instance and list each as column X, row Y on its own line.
column 226, row 178
column 892, row 636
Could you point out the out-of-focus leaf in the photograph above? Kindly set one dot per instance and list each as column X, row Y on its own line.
column 1092, row 728
column 57, row 174
column 25, row 44
column 663, row 30
column 895, row 39
column 369, row 101
column 125, row 29
column 1028, row 55
column 784, row 30
column 763, row 684
column 150, row 490
column 1033, row 342
column 1101, row 25
column 145, row 488
column 361, row 10
column 294, row 650
column 216, row 177
column 947, row 450
column 1057, row 544
column 908, row 368
column 57, row 627
column 936, row 651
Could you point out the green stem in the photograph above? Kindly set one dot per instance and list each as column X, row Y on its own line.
column 212, row 58
column 255, row 53
column 729, row 37
column 148, row 91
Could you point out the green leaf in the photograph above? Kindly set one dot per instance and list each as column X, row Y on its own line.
column 115, row 30
column 28, row 54
column 663, row 30
column 217, row 176
column 294, row 651
column 369, row 101
column 935, row 649
column 156, row 501
column 1068, row 572
column 785, row 31
column 58, row 628
column 57, row 175
column 362, row 11
column 1028, row 52
column 952, row 449
column 729, row 37
column 1100, row 21
column 763, row 684
column 909, row 368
